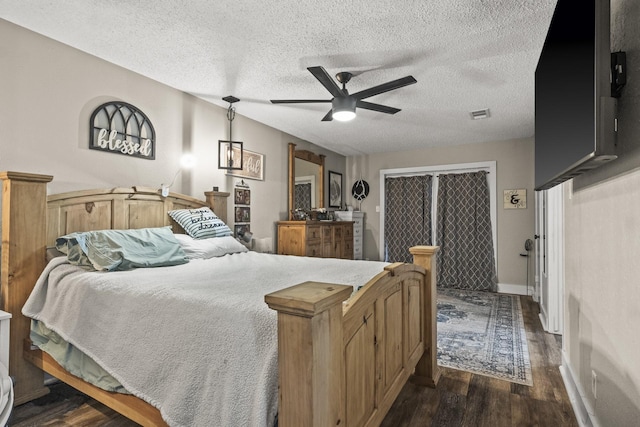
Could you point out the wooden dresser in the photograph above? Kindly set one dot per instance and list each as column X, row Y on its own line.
column 326, row 239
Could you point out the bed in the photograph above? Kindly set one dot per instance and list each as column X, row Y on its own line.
column 338, row 357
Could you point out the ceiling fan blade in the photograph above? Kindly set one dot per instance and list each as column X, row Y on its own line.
column 326, row 80
column 376, row 107
column 385, row 87
column 328, row 117
column 298, row 101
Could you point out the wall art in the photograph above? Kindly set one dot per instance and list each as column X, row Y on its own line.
column 121, row 128
column 253, row 165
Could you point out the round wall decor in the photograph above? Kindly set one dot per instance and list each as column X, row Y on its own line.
column 360, row 190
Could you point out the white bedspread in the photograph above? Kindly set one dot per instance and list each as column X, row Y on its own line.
column 195, row 340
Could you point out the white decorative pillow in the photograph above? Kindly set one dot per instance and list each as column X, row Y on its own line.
column 200, row 223
column 209, row 248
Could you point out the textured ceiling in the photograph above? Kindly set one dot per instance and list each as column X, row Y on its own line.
column 465, row 54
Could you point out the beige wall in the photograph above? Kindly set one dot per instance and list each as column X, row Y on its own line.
column 602, row 249
column 49, row 90
column 514, row 165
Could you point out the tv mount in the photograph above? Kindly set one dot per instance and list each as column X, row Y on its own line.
column 618, row 73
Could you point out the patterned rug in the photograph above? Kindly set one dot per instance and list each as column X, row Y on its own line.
column 483, row 333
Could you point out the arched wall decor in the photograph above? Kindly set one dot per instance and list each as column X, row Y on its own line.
column 121, row 128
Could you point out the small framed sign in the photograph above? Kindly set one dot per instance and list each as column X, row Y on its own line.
column 252, row 165
column 515, row 199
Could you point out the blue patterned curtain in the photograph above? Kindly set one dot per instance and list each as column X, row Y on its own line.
column 465, row 259
column 407, row 217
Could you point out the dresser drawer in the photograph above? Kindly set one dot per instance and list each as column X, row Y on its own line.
column 314, row 233
column 357, row 252
column 337, row 233
column 347, row 252
column 314, row 250
column 348, row 232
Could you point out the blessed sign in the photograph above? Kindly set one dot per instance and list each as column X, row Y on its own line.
column 121, row 128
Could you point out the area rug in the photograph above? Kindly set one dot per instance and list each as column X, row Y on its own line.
column 483, row 333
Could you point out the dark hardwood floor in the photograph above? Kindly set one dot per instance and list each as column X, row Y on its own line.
column 465, row 399
column 461, row 398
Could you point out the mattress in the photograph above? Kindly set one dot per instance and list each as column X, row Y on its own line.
column 198, row 329
column 73, row 359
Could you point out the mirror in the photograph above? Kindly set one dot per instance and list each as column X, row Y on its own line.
column 306, row 186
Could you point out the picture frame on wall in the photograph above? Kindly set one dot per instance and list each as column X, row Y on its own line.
column 242, row 196
column 335, row 189
column 238, row 228
column 242, row 214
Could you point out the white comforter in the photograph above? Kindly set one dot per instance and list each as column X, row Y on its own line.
column 195, row 340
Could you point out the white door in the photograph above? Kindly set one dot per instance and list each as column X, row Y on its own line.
column 550, row 258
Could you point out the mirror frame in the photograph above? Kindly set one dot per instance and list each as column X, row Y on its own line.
column 309, row 157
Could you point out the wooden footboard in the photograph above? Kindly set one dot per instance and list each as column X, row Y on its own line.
column 345, row 363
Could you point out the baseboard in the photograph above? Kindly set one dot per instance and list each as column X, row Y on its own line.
column 508, row 288
column 543, row 318
column 583, row 410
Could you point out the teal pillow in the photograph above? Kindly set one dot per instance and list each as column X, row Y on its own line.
column 108, row 250
column 200, row 223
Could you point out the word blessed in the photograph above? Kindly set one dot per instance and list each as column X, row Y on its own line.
column 122, row 145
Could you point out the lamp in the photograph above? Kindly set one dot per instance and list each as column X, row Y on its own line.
column 230, row 152
column 187, row 161
column 343, row 108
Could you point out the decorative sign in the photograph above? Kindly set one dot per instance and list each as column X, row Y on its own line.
column 252, row 165
column 121, row 128
column 515, row 199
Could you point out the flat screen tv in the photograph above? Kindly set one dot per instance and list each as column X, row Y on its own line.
column 574, row 110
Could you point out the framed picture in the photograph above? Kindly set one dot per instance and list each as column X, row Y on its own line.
column 252, row 165
column 242, row 196
column 241, row 228
column 335, row 189
column 515, row 199
column 243, row 214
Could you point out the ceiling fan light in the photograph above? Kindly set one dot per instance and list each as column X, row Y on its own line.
column 344, row 116
column 344, row 109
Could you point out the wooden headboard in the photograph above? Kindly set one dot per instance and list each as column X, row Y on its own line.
column 121, row 208
column 31, row 221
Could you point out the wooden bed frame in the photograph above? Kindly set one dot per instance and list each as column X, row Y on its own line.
column 340, row 363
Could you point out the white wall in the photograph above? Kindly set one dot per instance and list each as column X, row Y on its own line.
column 49, row 90
column 514, row 164
column 602, row 249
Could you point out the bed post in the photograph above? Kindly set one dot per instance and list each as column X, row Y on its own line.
column 427, row 372
column 24, row 229
column 310, row 354
column 217, row 201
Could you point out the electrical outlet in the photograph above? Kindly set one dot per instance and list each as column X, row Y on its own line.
column 594, row 384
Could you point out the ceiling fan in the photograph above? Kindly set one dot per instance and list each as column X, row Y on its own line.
column 343, row 104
